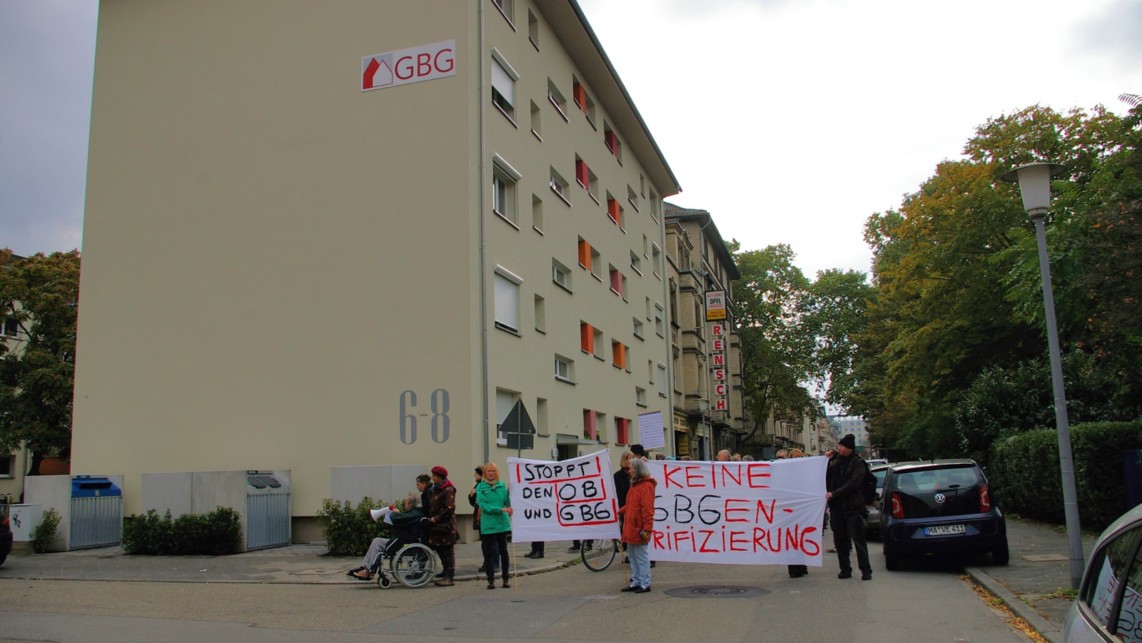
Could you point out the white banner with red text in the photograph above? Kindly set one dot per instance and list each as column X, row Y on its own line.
column 739, row 513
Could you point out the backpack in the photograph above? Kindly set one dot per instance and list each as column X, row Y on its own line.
column 868, row 488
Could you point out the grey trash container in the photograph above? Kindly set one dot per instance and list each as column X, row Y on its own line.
column 96, row 513
column 267, row 511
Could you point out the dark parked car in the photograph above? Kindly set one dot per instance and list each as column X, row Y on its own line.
column 5, row 533
column 940, row 507
column 1109, row 603
column 872, row 520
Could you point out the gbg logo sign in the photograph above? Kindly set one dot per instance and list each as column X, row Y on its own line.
column 412, row 65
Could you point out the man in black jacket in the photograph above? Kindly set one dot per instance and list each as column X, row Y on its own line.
column 843, row 483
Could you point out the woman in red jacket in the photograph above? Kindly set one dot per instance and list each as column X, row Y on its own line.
column 638, row 525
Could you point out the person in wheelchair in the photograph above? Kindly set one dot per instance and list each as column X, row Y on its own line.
column 408, row 526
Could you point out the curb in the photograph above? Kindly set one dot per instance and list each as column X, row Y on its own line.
column 1021, row 609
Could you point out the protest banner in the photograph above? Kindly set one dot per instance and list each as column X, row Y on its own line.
column 739, row 513
column 565, row 500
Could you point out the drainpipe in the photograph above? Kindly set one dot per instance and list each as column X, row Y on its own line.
column 484, row 379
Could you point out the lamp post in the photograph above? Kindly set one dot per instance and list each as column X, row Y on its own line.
column 1034, row 181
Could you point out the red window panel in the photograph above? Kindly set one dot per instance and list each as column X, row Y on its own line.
column 622, row 430
column 584, row 254
column 582, row 173
column 612, row 142
column 615, row 211
column 586, row 337
column 616, row 281
column 619, row 351
column 589, row 424
column 580, row 94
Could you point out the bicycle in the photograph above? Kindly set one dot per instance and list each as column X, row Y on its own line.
column 598, row 554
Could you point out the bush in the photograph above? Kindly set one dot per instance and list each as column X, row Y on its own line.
column 1024, row 469
column 348, row 530
column 44, row 537
column 214, row 534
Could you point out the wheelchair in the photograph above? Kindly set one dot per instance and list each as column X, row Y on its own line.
column 410, row 561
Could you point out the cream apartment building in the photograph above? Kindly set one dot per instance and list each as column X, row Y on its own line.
column 709, row 410
column 323, row 235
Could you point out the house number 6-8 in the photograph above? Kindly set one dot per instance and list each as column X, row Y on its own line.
column 438, row 403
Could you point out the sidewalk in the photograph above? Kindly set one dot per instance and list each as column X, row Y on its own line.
column 291, row 564
column 1033, row 585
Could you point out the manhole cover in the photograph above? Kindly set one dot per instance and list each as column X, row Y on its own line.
column 717, row 591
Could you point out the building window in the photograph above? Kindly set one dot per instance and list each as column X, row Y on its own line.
column 507, row 300
column 587, row 178
column 622, row 431
column 505, row 401
column 618, row 281
column 586, row 338
column 584, row 253
column 540, row 314
column 590, row 425
column 537, row 213
column 654, row 205
column 504, row 179
column 503, row 85
column 507, row 8
column 614, row 210
column 564, row 369
column 656, row 260
column 11, row 327
column 559, row 186
column 640, row 396
column 661, row 380
column 561, row 275
column 533, row 29
column 536, row 121
column 638, row 327
column 611, row 140
column 7, row 465
column 557, row 99
column 619, row 355
column 635, row 262
column 659, row 327
column 632, row 198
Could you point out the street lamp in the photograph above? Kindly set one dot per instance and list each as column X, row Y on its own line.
column 1035, row 185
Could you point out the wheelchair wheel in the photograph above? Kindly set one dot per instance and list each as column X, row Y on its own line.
column 383, row 581
column 414, row 565
column 599, row 554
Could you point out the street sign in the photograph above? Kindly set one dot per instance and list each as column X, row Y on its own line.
column 518, row 429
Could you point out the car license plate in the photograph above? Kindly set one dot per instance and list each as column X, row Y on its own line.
column 944, row 530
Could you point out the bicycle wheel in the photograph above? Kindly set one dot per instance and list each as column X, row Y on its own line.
column 414, row 565
column 598, row 554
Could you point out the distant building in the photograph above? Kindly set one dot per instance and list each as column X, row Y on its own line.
column 842, row 425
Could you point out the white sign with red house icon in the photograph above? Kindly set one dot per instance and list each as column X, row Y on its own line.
column 412, row 65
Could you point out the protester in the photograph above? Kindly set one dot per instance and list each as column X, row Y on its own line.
column 495, row 522
column 406, row 520
column 781, row 454
column 638, row 450
column 723, row 455
column 424, row 486
column 737, row 457
column 478, row 474
column 442, row 534
column 638, row 525
column 844, row 481
column 622, row 486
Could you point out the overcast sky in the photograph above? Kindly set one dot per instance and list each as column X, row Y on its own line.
column 791, row 121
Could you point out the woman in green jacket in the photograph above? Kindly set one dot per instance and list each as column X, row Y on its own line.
column 495, row 521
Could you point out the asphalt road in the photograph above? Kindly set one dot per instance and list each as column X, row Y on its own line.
column 928, row 603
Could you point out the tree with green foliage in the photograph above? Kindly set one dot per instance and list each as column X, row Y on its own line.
column 953, row 329
column 38, row 300
column 777, row 355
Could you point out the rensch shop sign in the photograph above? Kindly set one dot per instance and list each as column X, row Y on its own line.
column 412, row 65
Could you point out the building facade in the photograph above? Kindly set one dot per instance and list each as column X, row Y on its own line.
column 327, row 235
column 706, row 348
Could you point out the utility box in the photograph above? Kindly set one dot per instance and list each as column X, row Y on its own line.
column 24, row 519
column 96, row 512
column 267, row 510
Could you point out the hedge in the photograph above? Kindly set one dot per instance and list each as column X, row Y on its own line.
column 1025, row 476
column 216, row 533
